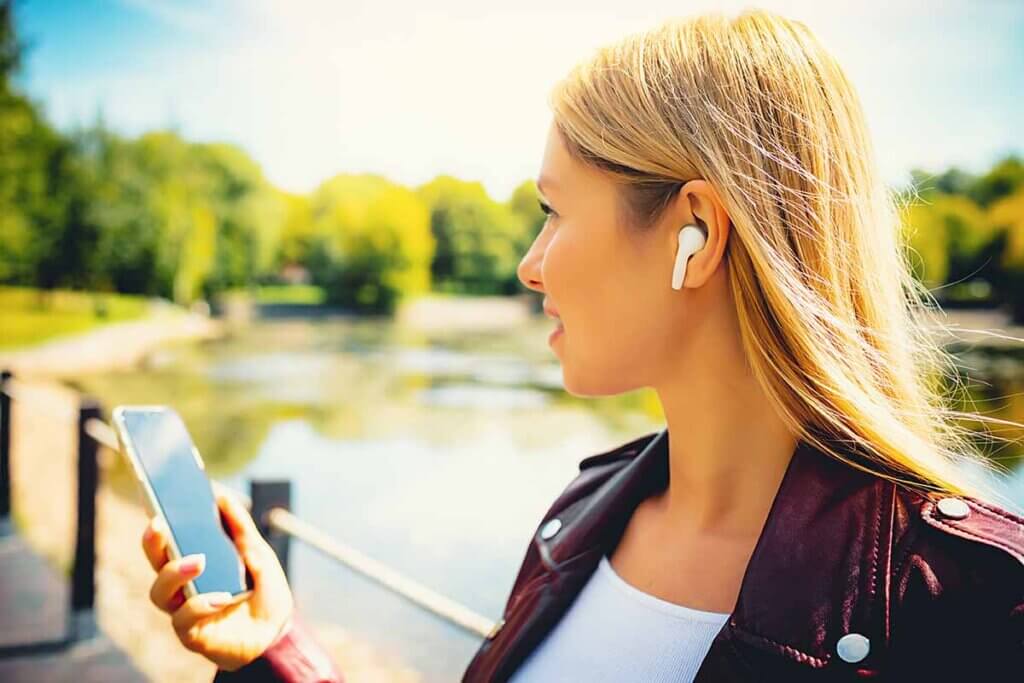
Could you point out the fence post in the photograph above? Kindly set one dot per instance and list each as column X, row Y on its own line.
column 266, row 495
column 82, row 622
column 5, row 456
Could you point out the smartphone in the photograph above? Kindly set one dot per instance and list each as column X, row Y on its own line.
column 175, row 487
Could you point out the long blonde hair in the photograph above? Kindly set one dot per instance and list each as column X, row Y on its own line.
column 834, row 324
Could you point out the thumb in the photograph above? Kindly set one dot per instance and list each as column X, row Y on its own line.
column 199, row 607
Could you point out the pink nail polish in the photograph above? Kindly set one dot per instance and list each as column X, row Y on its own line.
column 191, row 564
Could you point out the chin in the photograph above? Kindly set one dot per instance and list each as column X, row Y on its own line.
column 592, row 385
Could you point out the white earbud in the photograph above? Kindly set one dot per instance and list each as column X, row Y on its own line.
column 691, row 239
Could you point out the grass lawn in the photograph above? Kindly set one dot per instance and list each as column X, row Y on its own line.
column 29, row 316
column 290, row 294
column 310, row 295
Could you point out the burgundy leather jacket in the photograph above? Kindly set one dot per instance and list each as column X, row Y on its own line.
column 852, row 578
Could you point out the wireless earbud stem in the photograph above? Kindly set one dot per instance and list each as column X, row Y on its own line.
column 691, row 239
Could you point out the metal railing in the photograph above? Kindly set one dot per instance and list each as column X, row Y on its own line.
column 80, row 623
column 269, row 502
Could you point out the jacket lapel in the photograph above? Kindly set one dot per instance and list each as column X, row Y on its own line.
column 598, row 520
column 817, row 570
column 586, row 528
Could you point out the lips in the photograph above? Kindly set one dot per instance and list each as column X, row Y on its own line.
column 551, row 312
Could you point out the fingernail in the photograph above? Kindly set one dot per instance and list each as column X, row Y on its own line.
column 218, row 599
column 191, row 563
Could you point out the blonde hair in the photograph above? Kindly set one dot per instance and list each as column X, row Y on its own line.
column 833, row 321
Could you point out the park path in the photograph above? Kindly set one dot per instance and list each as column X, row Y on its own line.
column 33, row 623
column 117, row 346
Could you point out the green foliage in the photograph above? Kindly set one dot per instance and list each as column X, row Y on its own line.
column 1007, row 216
column 298, row 238
column 199, row 247
column 524, row 203
column 966, row 234
column 44, row 237
column 951, row 233
column 479, row 241
column 370, row 242
column 1003, row 180
column 309, row 295
column 10, row 50
column 927, row 244
column 178, row 219
column 249, row 213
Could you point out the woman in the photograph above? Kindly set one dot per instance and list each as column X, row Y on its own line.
column 718, row 230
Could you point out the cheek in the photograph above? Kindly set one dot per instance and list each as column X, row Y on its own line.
column 611, row 315
column 573, row 274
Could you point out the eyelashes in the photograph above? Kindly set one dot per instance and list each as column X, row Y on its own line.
column 545, row 208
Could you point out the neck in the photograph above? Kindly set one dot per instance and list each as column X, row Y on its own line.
column 728, row 446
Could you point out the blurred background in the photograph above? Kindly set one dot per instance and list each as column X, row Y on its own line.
column 298, row 223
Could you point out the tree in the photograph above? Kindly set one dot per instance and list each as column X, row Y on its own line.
column 297, row 236
column 45, row 238
column 951, row 237
column 1007, row 216
column 1002, row 180
column 373, row 244
column 178, row 219
column 479, row 241
column 249, row 212
column 524, row 203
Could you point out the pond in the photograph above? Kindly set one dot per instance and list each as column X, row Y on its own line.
column 434, row 453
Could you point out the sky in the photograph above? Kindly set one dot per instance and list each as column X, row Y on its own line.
column 410, row 90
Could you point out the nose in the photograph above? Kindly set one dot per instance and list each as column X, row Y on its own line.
column 529, row 267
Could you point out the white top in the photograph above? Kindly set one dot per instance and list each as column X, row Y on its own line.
column 614, row 631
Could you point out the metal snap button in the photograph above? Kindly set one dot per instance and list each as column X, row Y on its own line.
column 497, row 627
column 853, row 647
column 954, row 508
column 551, row 528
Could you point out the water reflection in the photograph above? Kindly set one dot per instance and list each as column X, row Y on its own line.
column 490, row 398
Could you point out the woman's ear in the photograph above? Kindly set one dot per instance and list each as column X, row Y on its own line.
column 697, row 203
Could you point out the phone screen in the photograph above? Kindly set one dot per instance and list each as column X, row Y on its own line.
column 184, row 495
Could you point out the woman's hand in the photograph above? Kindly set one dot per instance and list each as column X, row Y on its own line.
column 233, row 635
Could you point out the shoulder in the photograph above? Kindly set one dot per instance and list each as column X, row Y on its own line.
column 979, row 522
column 957, row 581
column 958, row 532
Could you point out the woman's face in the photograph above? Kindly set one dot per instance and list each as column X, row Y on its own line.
column 608, row 284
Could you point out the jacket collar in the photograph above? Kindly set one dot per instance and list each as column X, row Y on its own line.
column 820, row 566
